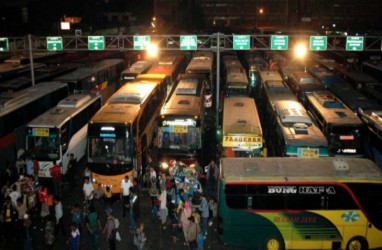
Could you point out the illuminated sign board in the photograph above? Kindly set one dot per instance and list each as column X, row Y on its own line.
column 245, row 141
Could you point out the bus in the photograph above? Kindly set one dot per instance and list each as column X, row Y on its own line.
column 373, row 120
column 171, row 65
column 10, row 69
column 60, row 131
column 342, row 89
column 18, row 108
column 101, row 77
column 181, row 123
column 342, row 128
column 279, row 203
column 242, row 132
column 301, row 83
column 120, row 134
column 137, row 68
column 289, row 130
column 236, row 79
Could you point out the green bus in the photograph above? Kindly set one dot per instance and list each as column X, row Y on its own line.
column 300, row 203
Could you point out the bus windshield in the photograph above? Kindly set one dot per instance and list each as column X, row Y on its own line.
column 43, row 143
column 184, row 138
column 113, row 150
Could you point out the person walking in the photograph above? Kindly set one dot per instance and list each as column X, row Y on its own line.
column 93, row 226
column 140, row 237
column 212, row 176
column 110, row 229
column 59, row 213
column 27, row 232
column 125, row 194
column 72, row 167
column 192, row 233
column 163, row 207
column 88, row 190
column 55, row 172
column 75, row 238
column 205, row 213
column 133, row 210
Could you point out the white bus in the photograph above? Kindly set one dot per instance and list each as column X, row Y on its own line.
column 137, row 68
column 18, row 108
column 60, row 131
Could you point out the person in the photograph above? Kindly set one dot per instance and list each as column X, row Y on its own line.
column 76, row 216
column 163, row 207
column 108, row 197
column 109, row 229
column 20, row 166
column 59, row 213
column 133, row 210
column 55, row 172
column 21, row 211
column 185, row 223
column 93, row 226
column 14, row 195
column 204, row 210
column 140, row 237
column 88, row 190
column 212, row 176
column 43, row 199
column 88, row 173
column 9, row 215
column 125, row 194
column 71, row 174
column 29, row 166
column 27, row 233
column 36, row 169
column 192, row 233
column 153, row 191
column 75, row 237
column 99, row 194
column 213, row 207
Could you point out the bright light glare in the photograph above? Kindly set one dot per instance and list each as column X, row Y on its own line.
column 300, row 50
column 152, row 50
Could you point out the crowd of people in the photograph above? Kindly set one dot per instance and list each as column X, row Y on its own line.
column 182, row 201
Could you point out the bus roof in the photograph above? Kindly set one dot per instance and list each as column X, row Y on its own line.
column 123, row 106
column 331, row 109
column 10, row 101
column 240, row 116
column 166, row 64
column 137, row 67
column 284, row 169
column 201, row 62
column 86, row 70
column 186, row 97
column 64, row 110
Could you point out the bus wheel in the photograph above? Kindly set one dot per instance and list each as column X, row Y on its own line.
column 357, row 243
column 274, row 243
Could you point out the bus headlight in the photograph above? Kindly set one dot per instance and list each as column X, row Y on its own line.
column 164, row 165
column 94, row 180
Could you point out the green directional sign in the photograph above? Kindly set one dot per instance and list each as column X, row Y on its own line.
column 354, row 43
column 96, row 42
column 54, row 43
column 188, row 42
column 279, row 42
column 4, row 44
column 242, row 42
column 318, row 43
column 141, row 42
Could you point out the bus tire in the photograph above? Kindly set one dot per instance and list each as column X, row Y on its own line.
column 357, row 243
column 274, row 243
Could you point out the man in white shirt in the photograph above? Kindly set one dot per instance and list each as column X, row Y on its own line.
column 88, row 189
column 15, row 194
column 59, row 216
column 125, row 187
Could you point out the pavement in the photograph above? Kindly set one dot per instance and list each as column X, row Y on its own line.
column 157, row 236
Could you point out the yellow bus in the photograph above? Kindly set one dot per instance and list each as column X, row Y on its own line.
column 242, row 132
column 299, row 203
column 121, row 133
